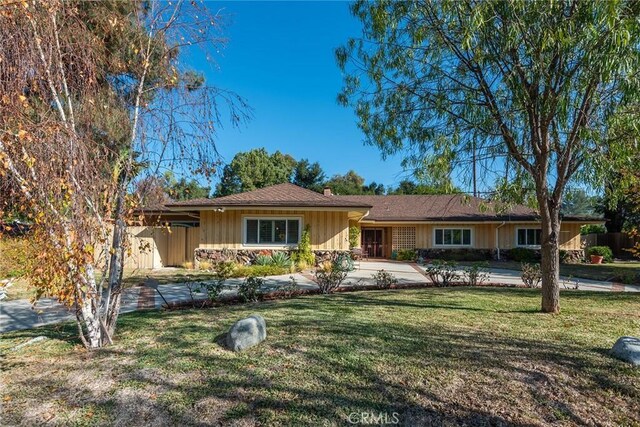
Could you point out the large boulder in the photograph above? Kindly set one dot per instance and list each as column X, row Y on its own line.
column 627, row 349
column 246, row 333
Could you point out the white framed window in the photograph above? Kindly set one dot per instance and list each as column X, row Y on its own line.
column 452, row 236
column 531, row 237
column 272, row 231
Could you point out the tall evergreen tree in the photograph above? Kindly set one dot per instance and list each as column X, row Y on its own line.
column 255, row 169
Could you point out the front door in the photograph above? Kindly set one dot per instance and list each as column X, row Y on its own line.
column 372, row 244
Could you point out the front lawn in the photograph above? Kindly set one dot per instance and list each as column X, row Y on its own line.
column 433, row 356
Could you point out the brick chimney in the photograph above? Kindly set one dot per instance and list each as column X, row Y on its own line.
column 327, row 191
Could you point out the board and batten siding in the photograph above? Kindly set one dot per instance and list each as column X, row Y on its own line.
column 219, row 230
column 569, row 235
column 158, row 247
column 484, row 235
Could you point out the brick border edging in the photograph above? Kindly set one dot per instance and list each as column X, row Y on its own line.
column 415, row 266
column 308, row 276
column 146, row 298
column 617, row 287
column 277, row 295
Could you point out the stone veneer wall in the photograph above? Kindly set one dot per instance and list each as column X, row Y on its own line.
column 465, row 254
column 248, row 256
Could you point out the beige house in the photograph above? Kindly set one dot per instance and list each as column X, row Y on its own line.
column 273, row 218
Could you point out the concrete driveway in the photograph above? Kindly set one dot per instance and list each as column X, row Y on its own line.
column 19, row 314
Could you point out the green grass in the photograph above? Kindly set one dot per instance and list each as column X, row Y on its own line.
column 625, row 272
column 14, row 252
column 434, row 356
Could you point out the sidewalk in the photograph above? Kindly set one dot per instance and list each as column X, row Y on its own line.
column 18, row 314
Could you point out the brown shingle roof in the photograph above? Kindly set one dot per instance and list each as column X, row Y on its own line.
column 449, row 207
column 280, row 195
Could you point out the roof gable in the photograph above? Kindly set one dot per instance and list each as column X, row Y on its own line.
column 279, row 195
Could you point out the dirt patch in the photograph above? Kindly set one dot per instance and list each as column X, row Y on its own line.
column 138, row 407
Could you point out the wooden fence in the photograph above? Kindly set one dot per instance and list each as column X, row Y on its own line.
column 157, row 247
column 618, row 242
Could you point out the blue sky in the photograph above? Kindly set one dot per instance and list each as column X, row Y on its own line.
column 280, row 57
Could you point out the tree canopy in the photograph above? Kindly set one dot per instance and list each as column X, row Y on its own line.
column 407, row 186
column 352, row 183
column 153, row 191
column 578, row 203
column 255, row 169
column 309, row 175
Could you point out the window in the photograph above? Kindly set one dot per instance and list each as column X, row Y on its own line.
column 452, row 237
column 272, row 231
column 529, row 237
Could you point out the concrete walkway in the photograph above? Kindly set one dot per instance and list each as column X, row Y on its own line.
column 19, row 314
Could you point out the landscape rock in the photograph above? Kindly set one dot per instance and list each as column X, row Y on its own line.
column 246, row 333
column 627, row 349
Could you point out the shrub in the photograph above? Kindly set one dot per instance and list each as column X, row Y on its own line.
column 188, row 265
column 224, row 270
column 628, row 277
column 326, row 266
column 329, row 279
column 406, row 255
column 263, row 260
column 603, row 251
column 354, row 237
column 384, row 279
column 213, row 290
column 260, row 270
column 303, row 256
column 280, row 259
column 476, row 274
column 531, row 275
column 300, row 265
column 523, row 255
column 345, row 261
column 442, row 273
column 289, row 290
column 593, row 229
column 249, row 290
column 204, row 265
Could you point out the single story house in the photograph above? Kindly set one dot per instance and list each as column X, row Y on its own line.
column 242, row 225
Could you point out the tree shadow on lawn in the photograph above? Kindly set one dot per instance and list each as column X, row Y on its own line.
column 328, row 361
column 368, row 299
column 343, row 356
column 340, row 348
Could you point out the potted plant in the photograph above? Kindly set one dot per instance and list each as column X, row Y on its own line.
column 600, row 254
